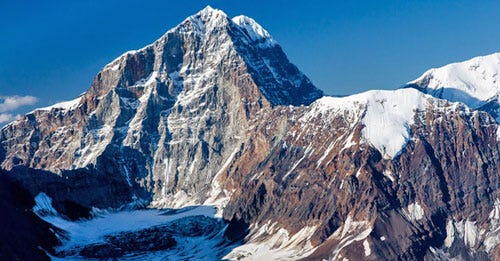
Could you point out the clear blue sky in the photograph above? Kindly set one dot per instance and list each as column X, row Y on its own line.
column 52, row 49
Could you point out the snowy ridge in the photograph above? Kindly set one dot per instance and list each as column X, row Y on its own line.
column 472, row 82
column 115, row 65
column 203, row 22
column 386, row 115
column 254, row 31
column 66, row 105
column 200, row 23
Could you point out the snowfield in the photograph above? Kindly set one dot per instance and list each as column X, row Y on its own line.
column 77, row 235
column 386, row 115
column 198, row 232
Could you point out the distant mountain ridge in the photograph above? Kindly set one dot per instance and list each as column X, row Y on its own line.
column 475, row 82
column 214, row 114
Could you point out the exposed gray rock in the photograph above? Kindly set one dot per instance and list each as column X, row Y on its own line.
column 164, row 118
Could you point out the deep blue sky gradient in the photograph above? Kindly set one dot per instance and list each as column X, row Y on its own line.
column 53, row 49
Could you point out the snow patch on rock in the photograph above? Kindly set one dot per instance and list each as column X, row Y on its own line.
column 66, row 105
column 468, row 231
column 348, row 233
column 388, row 118
column 495, row 212
column 474, row 235
column 269, row 242
column 43, row 205
column 389, row 175
column 450, row 233
column 366, row 246
column 219, row 197
column 492, row 238
column 414, row 212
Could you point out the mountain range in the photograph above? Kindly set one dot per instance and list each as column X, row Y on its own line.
column 210, row 144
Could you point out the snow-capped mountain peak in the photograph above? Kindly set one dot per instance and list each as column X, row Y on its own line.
column 203, row 22
column 209, row 10
column 254, row 31
column 473, row 82
column 279, row 80
column 209, row 14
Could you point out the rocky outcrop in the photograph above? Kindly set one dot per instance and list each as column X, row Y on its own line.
column 214, row 113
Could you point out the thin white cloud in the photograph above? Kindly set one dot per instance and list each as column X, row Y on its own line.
column 7, row 117
column 10, row 103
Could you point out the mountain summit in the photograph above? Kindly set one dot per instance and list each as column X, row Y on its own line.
column 212, row 33
column 199, row 83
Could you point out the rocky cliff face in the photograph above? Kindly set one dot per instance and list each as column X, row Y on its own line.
column 209, row 114
column 315, row 172
column 166, row 117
